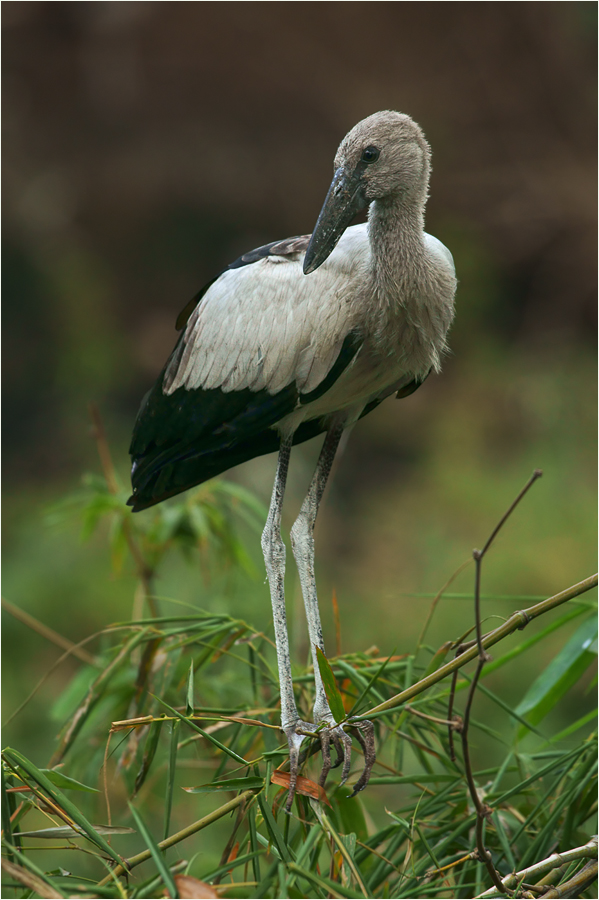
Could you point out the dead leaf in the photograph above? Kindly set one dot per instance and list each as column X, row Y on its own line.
column 233, row 853
column 189, row 888
column 304, row 786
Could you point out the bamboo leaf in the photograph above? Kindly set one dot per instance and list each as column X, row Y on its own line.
column 330, row 686
column 274, row 830
column 229, row 784
column 352, row 814
column 560, row 675
column 189, row 702
column 18, row 761
column 63, row 781
column 68, row 832
column 201, row 731
column 170, row 780
column 334, row 889
column 150, row 748
column 157, row 856
column 375, row 676
column 6, row 823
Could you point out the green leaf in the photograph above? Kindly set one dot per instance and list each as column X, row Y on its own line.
column 580, row 723
column 63, row 781
column 157, row 856
column 189, row 703
column 351, row 813
column 332, row 888
column 62, row 831
column 374, row 677
column 18, row 761
column 6, row 823
column 170, row 781
column 438, row 658
column 330, row 686
column 201, row 731
column 151, row 745
column 560, row 675
column 229, row 784
column 273, row 829
column 539, row 636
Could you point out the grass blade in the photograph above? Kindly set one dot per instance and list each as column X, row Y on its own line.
column 560, row 675
column 205, row 734
column 68, row 784
column 330, row 686
column 189, row 704
column 170, row 779
column 273, row 829
column 252, row 782
column 17, row 761
column 157, row 856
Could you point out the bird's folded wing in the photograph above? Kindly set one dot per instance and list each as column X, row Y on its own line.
column 263, row 327
column 262, row 339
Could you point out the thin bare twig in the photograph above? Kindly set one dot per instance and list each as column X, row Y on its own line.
column 483, row 811
column 435, row 602
column 479, row 554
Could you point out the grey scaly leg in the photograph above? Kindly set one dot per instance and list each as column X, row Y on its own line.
column 302, row 542
column 273, row 549
column 274, row 558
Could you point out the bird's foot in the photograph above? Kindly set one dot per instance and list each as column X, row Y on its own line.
column 331, row 733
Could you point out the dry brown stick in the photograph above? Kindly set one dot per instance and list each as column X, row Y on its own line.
column 483, row 811
column 49, row 633
column 31, row 881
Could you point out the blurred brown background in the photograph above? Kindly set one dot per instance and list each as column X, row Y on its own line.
column 148, row 144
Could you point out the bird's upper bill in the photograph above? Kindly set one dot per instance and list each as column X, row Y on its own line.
column 385, row 155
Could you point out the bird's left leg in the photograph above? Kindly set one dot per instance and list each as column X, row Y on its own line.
column 274, row 558
column 302, row 542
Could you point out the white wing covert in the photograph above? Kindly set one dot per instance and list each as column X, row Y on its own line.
column 266, row 324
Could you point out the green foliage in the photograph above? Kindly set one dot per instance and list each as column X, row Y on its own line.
column 175, row 690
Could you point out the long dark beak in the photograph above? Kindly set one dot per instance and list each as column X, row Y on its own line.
column 344, row 199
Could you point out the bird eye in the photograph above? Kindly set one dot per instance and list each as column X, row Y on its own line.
column 370, row 154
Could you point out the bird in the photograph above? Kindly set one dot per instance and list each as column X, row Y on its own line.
column 297, row 338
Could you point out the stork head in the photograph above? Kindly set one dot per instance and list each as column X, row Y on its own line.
column 384, row 158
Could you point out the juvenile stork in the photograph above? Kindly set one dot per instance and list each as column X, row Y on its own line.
column 299, row 337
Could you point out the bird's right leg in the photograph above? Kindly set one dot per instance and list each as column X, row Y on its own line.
column 274, row 558
column 302, row 542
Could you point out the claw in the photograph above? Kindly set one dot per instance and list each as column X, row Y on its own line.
column 341, row 740
column 295, row 737
column 339, row 748
column 364, row 732
column 342, row 743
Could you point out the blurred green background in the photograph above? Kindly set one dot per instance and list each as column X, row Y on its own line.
column 146, row 145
